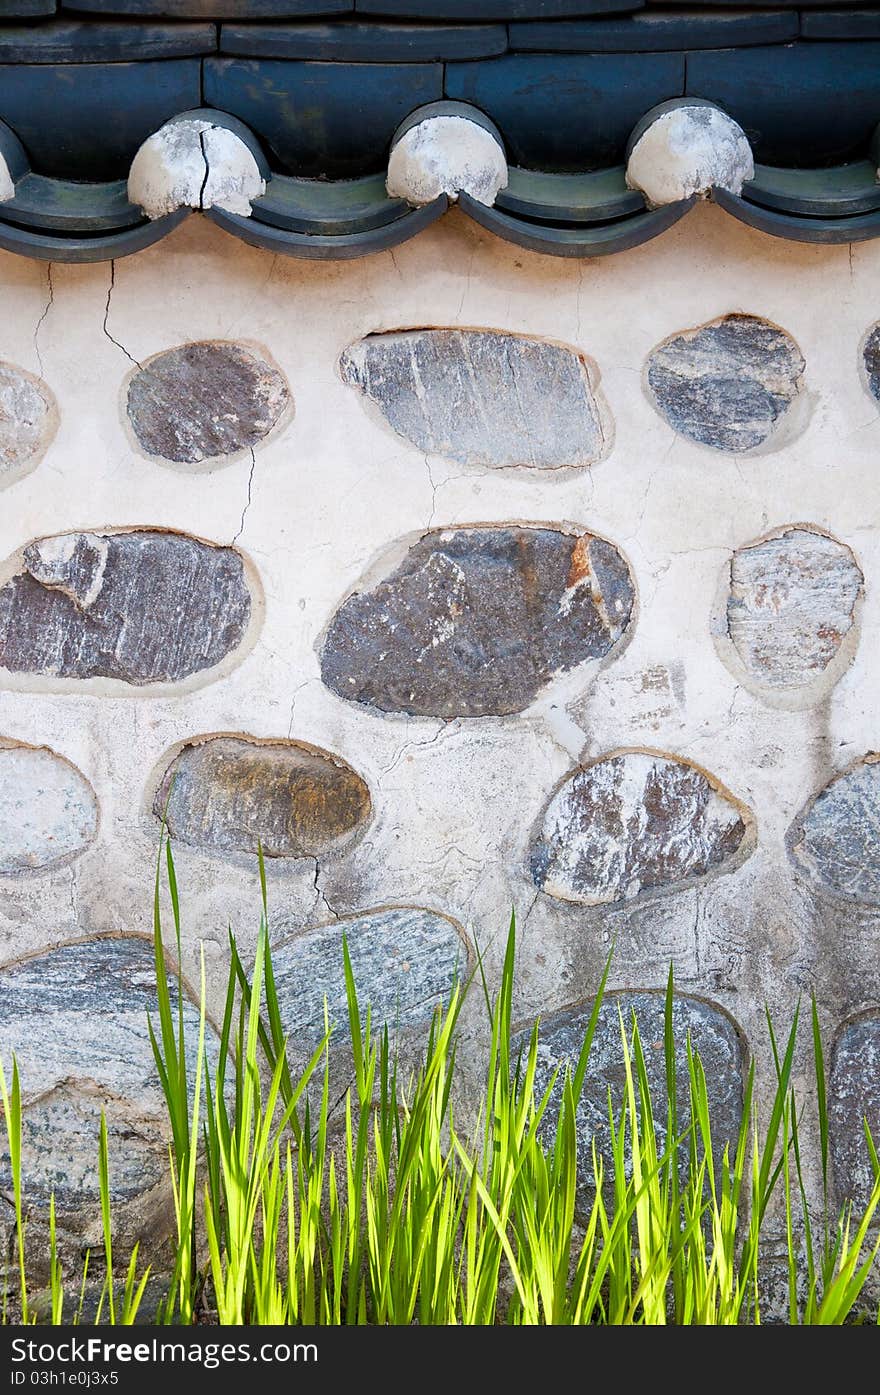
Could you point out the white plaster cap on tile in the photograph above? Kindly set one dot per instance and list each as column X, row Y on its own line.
column 686, row 148
column 446, row 148
column 200, row 159
column 13, row 162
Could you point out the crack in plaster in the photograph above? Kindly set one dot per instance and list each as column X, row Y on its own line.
column 250, row 485
column 46, row 308
column 107, row 333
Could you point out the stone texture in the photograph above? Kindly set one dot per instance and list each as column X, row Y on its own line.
column 48, row 810
column 405, row 962
column 835, row 841
column 633, row 823
column 446, row 155
column 791, row 604
column 205, row 400
column 76, row 1020
column 854, row 1095
column 27, row 420
column 138, row 607
column 871, row 361
column 475, row 621
column 231, row 794
column 480, row 397
column 689, row 151
column 713, row 1035
column 728, row 384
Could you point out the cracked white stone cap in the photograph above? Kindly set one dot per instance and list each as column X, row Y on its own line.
column 446, row 152
column 683, row 149
column 7, row 185
column 193, row 162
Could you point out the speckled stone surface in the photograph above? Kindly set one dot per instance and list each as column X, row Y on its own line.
column 233, row 795
column 482, row 398
column 634, row 823
column 27, row 421
column 835, row 841
column 475, row 621
column 48, row 810
column 853, row 1097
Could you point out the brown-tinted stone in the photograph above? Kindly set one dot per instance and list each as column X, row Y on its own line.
column 713, row 1036
column 139, row 607
column 791, row 604
column 475, row 621
column 633, row 823
column 27, row 421
column 481, row 397
column 853, row 1097
column 727, row 384
column 231, row 794
column 835, row 841
column 205, row 400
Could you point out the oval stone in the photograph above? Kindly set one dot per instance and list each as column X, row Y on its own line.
column 713, row 1034
column 28, row 419
column 481, row 397
column 871, row 361
column 76, row 1020
column 234, row 794
column 633, row 823
column 139, row 607
column 853, row 1096
column 405, row 961
column 791, row 604
column 48, row 810
column 475, row 621
column 728, row 384
column 204, row 400
column 835, row 841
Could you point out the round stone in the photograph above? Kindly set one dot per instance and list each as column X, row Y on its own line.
column 28, row 419
column 48, row 810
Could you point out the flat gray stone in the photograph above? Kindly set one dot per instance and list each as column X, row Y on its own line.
column 854, row 1095
column 139, row 607
column 481, row 398
column 405, row 962
column 791, row 604
column 27, row 421
column 475, row 621
column 560, row 1038
column 48, row 810
column 871, row 359
column 76, row 1020
column 205, row 400
column 230, row 794
column 728, row 384
column 634, row 823
column 835, row 841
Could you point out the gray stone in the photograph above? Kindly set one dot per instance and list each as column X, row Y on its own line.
column 871, row 360
column 231, row 794
column 205, row 400
column 48, row 810
column 138, row 607
column 634, row 823
column 475, row 621
column 76, row 1020
column 728, row 384
column 405, row 961
column 27, row 421
column 835, row 841
column 713, row 1036
column 480, row 397
column 791, row 604
column 853, row 1096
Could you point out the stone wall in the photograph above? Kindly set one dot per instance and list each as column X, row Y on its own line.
column 463, row 579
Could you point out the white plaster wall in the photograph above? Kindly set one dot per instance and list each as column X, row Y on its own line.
column 454, row 804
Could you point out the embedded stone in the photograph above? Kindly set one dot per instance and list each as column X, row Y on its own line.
column 48, row 810
column 634, row 823
column 835, row 841
column 205, row 400
column 854, row 1096
column 482, row 398
column 728, row 384
column 405, row 962
column 28, row 420
column 76, row 1021
column 791, row 604
column 139, row 607
column 713, row 1036
column 475, row 621
column 235, row 794
column 871, row 361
